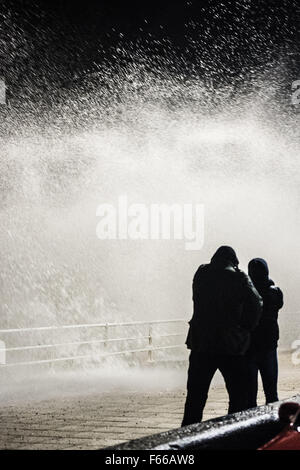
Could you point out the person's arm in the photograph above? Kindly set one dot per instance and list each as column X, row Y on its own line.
column 252, row 304
column 279, row 300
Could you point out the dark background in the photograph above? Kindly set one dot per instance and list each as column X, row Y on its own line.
column 45, row 44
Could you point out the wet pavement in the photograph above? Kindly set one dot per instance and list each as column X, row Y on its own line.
column 97, row 420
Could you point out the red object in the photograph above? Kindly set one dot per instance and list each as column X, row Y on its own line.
column 289, row 437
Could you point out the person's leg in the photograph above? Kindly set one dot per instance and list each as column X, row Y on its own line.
column 234, row 371
column 268, row 367
column 201, row 371
column 252, row 380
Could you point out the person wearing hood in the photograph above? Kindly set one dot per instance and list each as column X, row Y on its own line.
column 227, row 307
column 262, row 353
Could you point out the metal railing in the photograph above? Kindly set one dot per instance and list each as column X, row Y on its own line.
column 104, row 340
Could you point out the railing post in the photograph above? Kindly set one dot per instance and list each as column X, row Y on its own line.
column 105, row 335
column 150, row 358
column 148, row 329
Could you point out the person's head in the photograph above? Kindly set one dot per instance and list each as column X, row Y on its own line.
column 258, row 270
column 225, row 255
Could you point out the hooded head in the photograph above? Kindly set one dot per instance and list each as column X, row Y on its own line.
column 225, row 255
column 258, row 270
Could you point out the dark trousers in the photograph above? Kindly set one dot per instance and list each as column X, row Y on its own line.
column 202, row 368
column 267, row 364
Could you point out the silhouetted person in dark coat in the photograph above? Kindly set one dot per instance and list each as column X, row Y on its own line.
column 227, row 308
column 262, row 353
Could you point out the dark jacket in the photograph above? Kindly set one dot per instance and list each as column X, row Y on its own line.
column 265, row 336
column 227, row 308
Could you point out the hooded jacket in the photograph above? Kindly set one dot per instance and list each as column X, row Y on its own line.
column 227, row 307
column 265, row 336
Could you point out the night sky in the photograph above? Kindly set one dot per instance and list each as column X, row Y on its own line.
column 45, row 43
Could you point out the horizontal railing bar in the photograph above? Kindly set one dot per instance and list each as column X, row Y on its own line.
column 45, row 346
column 90, row 325
column 40, row 346
column 166, row 335
column 72, row 358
